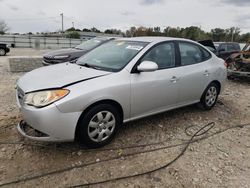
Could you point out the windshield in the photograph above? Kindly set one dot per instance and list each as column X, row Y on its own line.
column 89, row 44
column 113, row 55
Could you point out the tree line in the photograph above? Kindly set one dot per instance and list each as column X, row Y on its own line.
column 192, row 32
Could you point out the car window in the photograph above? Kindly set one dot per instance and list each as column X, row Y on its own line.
column 163, row 55
column 224, row 47
column 112, row 56
column 90, row 44
column 230, row 47
column 206, row 54
column 190, row 53
column 236, row 47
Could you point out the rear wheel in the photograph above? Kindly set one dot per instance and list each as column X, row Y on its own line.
column 98, row 126
column 210, row 96
column 2, row 52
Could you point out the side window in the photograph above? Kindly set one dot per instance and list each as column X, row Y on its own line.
column 190, row 53
column 162, row 54
column 236, row 47
column 206, row 54
column 223, row 47
column 230, row 47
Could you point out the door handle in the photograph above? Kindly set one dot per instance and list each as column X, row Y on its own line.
column 206, row 73
column 174, row 79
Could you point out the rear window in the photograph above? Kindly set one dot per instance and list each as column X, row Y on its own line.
column 190, row 53
column 233, row 47
column 206, row 54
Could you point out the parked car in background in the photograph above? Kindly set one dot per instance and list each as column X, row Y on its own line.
column 72, row 54
column 4, row 49
column 119, row 81
column 238, row 64
column 225, row 49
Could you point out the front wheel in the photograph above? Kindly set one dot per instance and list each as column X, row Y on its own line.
column 2, row 52
column 210, row 96
column 98, row 126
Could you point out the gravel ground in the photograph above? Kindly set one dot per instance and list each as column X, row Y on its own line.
column 218, row 159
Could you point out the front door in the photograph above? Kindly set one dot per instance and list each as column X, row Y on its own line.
column 156, row 91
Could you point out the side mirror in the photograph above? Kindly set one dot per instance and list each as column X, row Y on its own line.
column 73, row 61
column 147, row 66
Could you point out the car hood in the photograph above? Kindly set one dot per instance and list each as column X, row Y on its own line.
column 68, row 51
column 57, row 76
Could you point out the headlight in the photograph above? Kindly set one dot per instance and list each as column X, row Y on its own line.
column 61, row 56
column 44, row 98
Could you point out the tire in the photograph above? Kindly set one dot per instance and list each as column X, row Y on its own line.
column 210, row 96
column 2, row 52
column 98, row 126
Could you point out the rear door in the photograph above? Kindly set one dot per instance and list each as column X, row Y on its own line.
column 194, row 72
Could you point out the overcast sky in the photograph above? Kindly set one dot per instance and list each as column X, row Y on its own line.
column 44, row 15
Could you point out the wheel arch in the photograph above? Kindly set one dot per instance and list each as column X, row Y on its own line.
column 217, row 83
column 104, row 101
column 214, row 81
column 4, row 51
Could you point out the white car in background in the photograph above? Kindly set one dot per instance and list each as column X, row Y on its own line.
column 120, row 81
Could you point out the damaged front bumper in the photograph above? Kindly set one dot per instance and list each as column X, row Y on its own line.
column 29, row 132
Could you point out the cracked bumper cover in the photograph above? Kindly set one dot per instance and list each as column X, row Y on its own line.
column 54, row 125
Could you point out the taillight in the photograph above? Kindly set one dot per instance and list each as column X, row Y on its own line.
column 225, row 63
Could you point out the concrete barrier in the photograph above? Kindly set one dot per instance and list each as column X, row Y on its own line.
column 24, row 63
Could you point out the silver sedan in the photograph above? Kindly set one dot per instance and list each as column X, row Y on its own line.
column 120, row 81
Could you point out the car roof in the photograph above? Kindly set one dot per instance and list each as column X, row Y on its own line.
column 226, row 42
column 153, row 39
column 105, row 38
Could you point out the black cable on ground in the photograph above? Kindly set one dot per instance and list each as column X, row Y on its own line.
column 198, row 133
column 53, row 147
column 27, row 178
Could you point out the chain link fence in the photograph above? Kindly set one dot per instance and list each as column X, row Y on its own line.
column 39, row 42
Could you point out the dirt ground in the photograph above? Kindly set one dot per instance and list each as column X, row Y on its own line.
column 221, row 158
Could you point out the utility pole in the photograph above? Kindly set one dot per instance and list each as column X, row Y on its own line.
column 199, row 34
column 73, row 25
column 62, row 22
column 232, row 39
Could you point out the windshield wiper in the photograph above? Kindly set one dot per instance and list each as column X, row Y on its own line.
column 77, row 48
column 90, row 66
